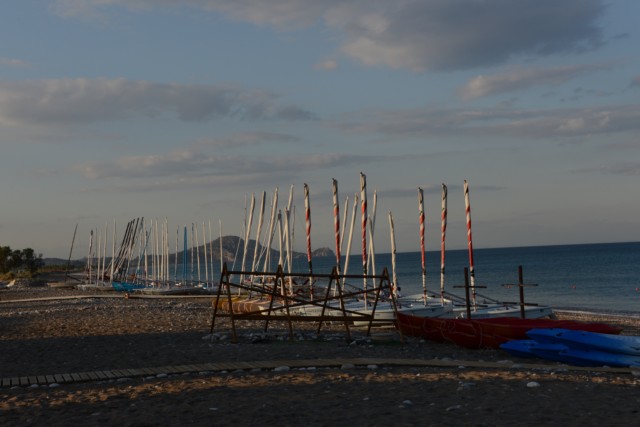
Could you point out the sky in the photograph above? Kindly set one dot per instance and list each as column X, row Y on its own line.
column 112, row 110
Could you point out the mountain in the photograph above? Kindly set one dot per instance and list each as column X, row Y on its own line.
column 232, row 248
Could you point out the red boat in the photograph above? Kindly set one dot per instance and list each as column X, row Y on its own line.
column 488, row 332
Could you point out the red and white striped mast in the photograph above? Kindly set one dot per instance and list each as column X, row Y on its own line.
column 363, row 198
column 421, row 218
column 470, row 243
column 442, row 243
column 307, row 209
column 336, row 222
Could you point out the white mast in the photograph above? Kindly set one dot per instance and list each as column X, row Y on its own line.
column 394, row 284
column 246, row 236
column 344, row 222
column 175, row 258
column 372, row 223
column 197, row 251
column 221, row 255
column 287, row 241
column 272, row 221
column 353, row 224
column 113, row 251
column 289, row 232
column 254, row 265
column 206, row 261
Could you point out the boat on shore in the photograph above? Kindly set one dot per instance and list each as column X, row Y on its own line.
column 578, row 347
column 488, row 332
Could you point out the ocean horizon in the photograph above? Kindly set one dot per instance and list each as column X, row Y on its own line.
column 595, row 277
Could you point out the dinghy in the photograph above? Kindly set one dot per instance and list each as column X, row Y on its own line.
column 585, row 340
column 490, row 332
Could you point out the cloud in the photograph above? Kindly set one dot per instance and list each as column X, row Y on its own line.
column 194, row 163
column 81, row 101
column 635, row 81
column 147, row 166
column 522, row 78
column 243, row 139
column 507, row 122
column 624, row 169
column 450, row 35
column 411, row 34
column 328, row 65
column 10, row 62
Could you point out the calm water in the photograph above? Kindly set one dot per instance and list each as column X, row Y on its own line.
column 594, row 277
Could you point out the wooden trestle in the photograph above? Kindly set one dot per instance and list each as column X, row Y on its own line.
column 276, row 289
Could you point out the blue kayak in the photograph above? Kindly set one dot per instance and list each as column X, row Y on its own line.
column 581, row 340
column 598, row 358
column 532, row 348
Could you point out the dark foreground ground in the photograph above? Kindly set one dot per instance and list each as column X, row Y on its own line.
column 107, row 333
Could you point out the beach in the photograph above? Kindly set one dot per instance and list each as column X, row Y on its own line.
column 267, row 379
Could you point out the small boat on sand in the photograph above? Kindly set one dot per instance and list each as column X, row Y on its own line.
column 489, row 332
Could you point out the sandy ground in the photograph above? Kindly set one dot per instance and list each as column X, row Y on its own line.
column 79, row 335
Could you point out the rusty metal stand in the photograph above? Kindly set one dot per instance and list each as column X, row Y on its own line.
column 278, row 293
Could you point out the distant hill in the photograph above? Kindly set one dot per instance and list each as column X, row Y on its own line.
column 232, row 248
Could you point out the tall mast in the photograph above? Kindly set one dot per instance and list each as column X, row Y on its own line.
column 247, row 234
column 197, row 246
column 113, row 251
column 211, row 252
column 394, row 284
column 184, row 256
column 353, row 224
column 289, row 232
column 272, row 222
column 372, row 224
column 71, row 250
column 422, row 255
column 99, row 255
column 307, row 210
column 442, row 243
column 336, row 222
column 175, row 257
column 254, row 265
column 206, row 261
column 221, row 255
column 89, row 255
column 363, row 200
column 287, row 242
column 470, row 242
column 344, row 221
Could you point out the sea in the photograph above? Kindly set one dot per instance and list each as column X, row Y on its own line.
column 598, row 278
column 586, row 277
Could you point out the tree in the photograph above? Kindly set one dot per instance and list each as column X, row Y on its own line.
column 5, row 253
column 13, row 260
column 30, row 261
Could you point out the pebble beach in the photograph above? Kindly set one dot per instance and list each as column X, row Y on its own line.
column 266, row 378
